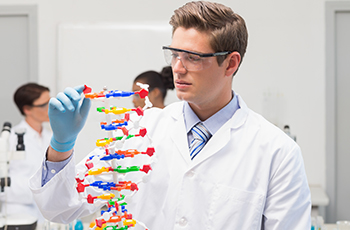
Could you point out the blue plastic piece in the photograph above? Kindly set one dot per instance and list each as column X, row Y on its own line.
column 113, row 156
column 108, row 127
column 114, row 126
column 106, row 186
column 117, row 156
column 118, row 93
column 107, row 158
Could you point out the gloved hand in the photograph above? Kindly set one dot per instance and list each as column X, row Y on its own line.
column 67, row 117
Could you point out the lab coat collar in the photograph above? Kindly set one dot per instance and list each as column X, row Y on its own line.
column 179, row 134
column 223, row 135
column 217, row 141
column 27, row 128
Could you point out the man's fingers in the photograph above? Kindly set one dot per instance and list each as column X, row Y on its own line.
column 79, row 88
column 73, row 94
column 56, row 104
column 66, row 101
column 85, row 107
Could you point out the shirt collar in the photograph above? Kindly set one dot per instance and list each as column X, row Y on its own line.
column 213, row 123
column 29, row 130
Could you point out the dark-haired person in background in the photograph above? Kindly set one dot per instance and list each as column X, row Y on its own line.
column 159, row 83
column 32, row 101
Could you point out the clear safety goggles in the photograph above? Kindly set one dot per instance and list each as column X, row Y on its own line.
column 191, row 61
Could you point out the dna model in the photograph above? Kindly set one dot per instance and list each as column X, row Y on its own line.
column 101, row 181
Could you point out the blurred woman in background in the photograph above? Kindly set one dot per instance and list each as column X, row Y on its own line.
column 158, row 83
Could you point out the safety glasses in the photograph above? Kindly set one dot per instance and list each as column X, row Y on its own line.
column 41, row 105
column 191, row 61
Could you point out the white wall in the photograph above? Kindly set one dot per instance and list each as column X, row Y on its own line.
column 282, row 75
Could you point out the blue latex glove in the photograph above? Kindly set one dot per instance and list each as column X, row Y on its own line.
column 67, row 117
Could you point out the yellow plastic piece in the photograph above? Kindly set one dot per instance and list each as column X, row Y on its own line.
column 106, row 196
column 129, row 222
column 98, row 171
column 117, row 110
column 103, row 142
column 102, row 227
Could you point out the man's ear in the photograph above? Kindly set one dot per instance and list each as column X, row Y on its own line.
column 233, row 63
column 26, row 109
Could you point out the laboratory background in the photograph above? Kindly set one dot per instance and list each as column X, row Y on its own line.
column 295, row 72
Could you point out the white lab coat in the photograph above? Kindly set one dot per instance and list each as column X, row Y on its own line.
column 18, row 195
column 250, row 175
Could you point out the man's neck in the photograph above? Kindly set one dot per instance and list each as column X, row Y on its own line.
column 203, row 112
column 37, row 126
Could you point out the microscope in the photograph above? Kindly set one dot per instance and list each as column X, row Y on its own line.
column 4, row 137
column 20, row 221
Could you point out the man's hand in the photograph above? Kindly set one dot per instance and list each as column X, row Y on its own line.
column 67, row 117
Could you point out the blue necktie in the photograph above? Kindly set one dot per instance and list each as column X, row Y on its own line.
column 201, row 135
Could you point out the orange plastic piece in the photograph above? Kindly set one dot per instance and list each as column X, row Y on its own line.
column 114, row 219
column 128, row 153
column 95, row 95
column 118, row 121
column 125, row 185
column 92, row 224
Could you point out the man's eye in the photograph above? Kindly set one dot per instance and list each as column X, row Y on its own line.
column 194, row 58
column 174, row 55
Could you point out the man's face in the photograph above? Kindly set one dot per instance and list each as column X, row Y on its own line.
column 39, row 110
column 201, row 88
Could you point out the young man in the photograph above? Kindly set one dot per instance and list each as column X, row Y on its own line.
column 248, row 175
column 32, row 101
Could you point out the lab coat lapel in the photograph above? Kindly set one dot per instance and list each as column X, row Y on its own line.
column 215, row 144
column 179, row 135
column 223, row 135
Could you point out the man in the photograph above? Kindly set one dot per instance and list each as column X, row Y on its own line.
column 32, row 101
column 248, row 175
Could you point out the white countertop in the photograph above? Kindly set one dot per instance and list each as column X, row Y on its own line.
column 318, row 196
column 330, row 227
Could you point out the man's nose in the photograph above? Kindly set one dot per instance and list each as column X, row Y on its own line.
column 178, row 65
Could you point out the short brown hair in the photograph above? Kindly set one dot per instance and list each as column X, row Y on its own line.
column 227, row 29
column 27, row 94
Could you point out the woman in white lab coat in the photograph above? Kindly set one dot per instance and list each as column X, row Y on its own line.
column 158, row 83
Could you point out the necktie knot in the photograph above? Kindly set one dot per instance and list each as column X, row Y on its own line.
column 200, row 137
